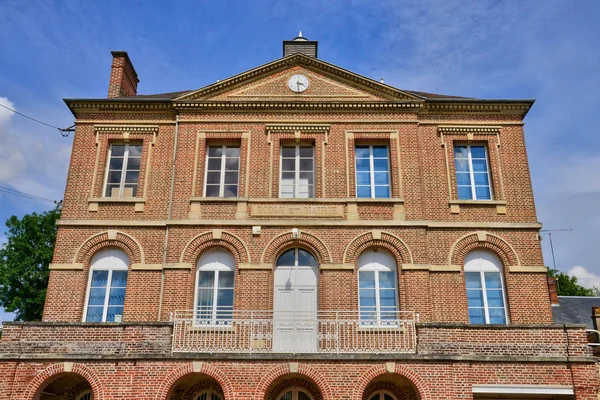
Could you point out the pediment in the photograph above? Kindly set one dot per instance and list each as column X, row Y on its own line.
column 326, row 83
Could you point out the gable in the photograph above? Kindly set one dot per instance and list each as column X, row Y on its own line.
column 326, row 83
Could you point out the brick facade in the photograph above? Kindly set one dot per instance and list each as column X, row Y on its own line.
column 169, row 224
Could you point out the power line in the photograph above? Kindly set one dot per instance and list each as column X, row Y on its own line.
column 64, row 132
column 8, row 190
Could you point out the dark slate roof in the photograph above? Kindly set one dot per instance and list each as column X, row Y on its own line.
column 435, row 95
column 575, row 310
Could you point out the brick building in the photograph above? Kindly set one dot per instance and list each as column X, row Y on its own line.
column 296, row 232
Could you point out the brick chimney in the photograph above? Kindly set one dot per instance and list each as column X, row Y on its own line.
column 553, row 291
column 123, row 78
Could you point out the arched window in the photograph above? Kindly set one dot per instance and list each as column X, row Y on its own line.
column 87, row 395
column 294, row 393
column 382, row 395
column 106, row 287
column 208, row 395
column 214, row 287
column 485, row 288
column 377, row 287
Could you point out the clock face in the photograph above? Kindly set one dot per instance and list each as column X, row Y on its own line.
column 298, row 83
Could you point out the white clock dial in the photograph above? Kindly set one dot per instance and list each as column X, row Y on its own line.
column 298, row 83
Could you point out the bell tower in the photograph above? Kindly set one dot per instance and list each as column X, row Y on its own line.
column 300, row 45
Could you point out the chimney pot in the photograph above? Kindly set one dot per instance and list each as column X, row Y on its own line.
column 123, row 78
column 552, row 290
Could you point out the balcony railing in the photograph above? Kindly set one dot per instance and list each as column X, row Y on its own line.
column 296, row 332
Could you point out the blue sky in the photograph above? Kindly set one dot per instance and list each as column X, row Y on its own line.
column 497, row 49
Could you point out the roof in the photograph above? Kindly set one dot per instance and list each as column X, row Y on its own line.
column 575, row 310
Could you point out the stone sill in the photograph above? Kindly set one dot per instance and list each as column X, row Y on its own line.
column 456, row 204
column 138, row 202
column 454, row 325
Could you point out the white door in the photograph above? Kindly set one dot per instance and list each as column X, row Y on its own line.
column 295, row 303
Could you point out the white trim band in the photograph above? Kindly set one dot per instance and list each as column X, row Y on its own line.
column 524, row 389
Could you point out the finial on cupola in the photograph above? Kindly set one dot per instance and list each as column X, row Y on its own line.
column 300, row 44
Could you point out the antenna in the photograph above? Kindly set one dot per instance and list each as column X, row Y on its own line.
column 549, row 232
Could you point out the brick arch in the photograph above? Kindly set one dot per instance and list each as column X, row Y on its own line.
column 483, row 240
column 123, row 241
column 285, row 241
column 42, row 379
column 206, row 240
column 188, row 368
column 385, row 240
column 400, row 371
column 281, row 377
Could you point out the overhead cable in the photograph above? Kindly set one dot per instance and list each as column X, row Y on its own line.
column 63, row 131
column 8, row 190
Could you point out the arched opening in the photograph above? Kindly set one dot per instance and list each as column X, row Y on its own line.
column 195, row 386
column 390, row 386
column 215, row 273
column 65, row 386
column 105, row 299
column 293, row 387
column 377, row 286
column 295, row 301
column 484, row 280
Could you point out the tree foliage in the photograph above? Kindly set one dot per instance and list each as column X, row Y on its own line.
column 24, row 261
column 568, row 285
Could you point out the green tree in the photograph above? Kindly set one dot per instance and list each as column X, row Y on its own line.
column 568, row 285
column 24, row 261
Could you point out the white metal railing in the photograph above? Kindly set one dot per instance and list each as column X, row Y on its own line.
column 293, row 332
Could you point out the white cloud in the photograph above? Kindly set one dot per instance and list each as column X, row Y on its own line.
column 12, row 159
column 584, row 277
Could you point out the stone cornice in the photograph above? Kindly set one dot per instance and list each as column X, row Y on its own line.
column 126, row 128
column 469, row 129
column 297, row 127
column 373, row 106
column 518, row 107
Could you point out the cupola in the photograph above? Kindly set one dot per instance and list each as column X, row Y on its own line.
column 300, row 45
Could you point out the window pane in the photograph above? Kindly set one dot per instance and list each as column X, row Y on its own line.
column 363, row 191
column 112, row 311
column 464, row 193
column 476, row 316
column 477, row 152
column 380, row 151
column 481, row 178
column 362, row 164
column 231, row 177
column 226, row 279
column 133, row 187
column 382, row 191
column 361, row 152
column 387, row 397
column 94, row 314
column 306, row 178
column 382, row 178
column 213, row 177
column 287, row 396
column 97, row 296
column 288, row 164
column 119, row 279
column 387, row 280
column 135, row 151
column 475, row 298
column 225, row 298
column 115, row 163
column 133, row 164
column 132, row 177
column 460, row 152
column 214, row 164
column 306, row 164
column 306, row 152
column 492, row 280
column 288, row 151
column 497, row 316
column 463, row 178
column 212, row 191
column 366, row 279
column 117, row 150
column 473, row 280
column 99, row 278
column 387, row 298
column 306, row 259
column 287, row 192
column 363, row 178
column 215, row 151
column 206, row 279
column 114, row 177
column 117, row 296
column 483, row 193
column 494, row 298
column 232, row 151
column 461, row 165
column 479, row 165
column 367, row 297
column 286, row 259
column 232, row 164
column 230, row 191
column 380, row 164
column 205, row 297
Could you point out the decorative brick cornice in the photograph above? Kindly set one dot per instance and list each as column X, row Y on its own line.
column 372, row 106
column 466, row 129
column 103, row 105
column 297, row 127
column 151, row 129
column 478, row 107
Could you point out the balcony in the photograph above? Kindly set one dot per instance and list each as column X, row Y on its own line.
column 332, row 332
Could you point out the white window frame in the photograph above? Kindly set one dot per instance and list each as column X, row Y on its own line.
column 213, row 321
column 123, row 168
column 110, row 270
column 209, row 392
column 297, row 172
column 372, row 171
column 472, row 173
column 295, row 390
column 497, row 268
column 222, row 169
column 370, row 267
column 380, row 394
column 87, row 395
